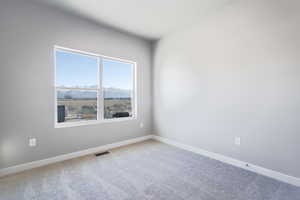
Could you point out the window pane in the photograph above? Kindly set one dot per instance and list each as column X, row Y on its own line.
column 117, row 80
column 76, row 105
column 76, row 70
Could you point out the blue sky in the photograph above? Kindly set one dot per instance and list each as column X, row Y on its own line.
column 78, row 70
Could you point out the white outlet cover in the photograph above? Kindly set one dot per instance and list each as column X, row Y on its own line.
column 142, row 125
column 237, row 141
column 32, row 142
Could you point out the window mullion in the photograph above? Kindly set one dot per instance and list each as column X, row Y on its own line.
column 100, row 91
column 134, row 91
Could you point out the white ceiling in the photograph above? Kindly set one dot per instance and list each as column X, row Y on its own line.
column 151, row 19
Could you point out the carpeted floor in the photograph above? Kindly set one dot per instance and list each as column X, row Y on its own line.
column 144, row 171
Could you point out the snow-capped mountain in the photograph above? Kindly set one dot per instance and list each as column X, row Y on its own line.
column 111, row 93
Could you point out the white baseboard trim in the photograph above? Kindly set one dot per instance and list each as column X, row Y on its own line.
column 40, row 163
column 251, row 167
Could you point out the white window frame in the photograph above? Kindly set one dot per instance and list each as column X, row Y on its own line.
column 99, row 90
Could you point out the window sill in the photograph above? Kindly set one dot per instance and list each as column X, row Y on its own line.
column 91, row 122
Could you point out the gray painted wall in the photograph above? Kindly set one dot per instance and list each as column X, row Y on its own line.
column 236, row 73
column 28, row 33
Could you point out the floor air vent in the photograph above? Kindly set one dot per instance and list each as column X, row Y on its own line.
column 102, row 153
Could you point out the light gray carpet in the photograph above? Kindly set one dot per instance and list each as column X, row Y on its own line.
column 144, row 171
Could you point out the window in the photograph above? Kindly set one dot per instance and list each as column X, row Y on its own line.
column 118, row 88
column 91, row 88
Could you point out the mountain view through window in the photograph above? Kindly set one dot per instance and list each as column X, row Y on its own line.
column 85, row 94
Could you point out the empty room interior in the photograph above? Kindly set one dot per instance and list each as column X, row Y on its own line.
column 150, row 100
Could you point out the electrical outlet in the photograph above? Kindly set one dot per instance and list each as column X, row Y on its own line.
column 32, row 142
column 237, row 141
column 141, row 125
